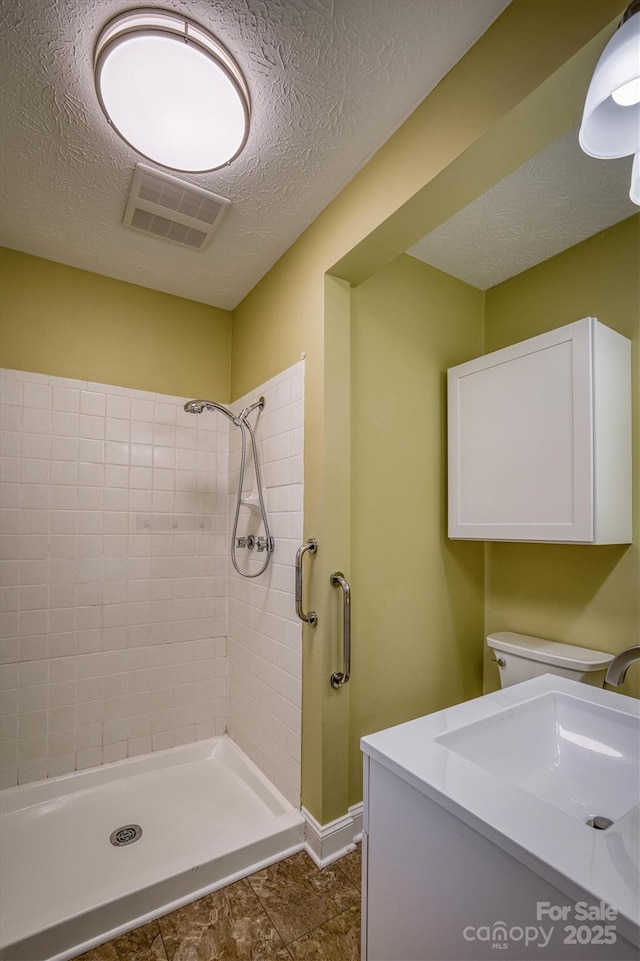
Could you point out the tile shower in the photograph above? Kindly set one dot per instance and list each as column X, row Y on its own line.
column 123, row 630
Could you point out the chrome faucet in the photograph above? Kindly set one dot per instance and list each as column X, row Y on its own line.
column 618, row 666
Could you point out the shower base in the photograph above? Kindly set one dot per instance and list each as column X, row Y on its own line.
column 208, row 817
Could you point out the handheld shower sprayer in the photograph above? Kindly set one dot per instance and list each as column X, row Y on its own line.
column 195, row 406
column 198, row 406
column 241, row 421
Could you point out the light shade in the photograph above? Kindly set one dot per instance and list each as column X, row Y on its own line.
column 611, row 124
column 634, row 193
column 171, row 90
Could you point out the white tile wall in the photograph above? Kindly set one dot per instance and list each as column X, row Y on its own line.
column 264, row 633
column 114, row 578
column 113, row 573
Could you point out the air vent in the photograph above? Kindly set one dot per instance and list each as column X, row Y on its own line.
column 173, row 210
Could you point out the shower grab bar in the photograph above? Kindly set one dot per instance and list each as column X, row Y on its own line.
column 311, row 546
column 339, row 678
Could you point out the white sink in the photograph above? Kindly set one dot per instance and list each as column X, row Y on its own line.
column 527, row 767
column 582, row 758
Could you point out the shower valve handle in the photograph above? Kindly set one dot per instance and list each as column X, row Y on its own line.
column 250, row 541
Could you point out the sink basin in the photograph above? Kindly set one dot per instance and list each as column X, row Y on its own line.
column 582, row 758
column 527, row 767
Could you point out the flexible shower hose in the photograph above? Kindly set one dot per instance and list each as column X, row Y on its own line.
column 243, row 423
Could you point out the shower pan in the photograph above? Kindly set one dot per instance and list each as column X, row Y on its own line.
column 241, row 421
column 205, row 815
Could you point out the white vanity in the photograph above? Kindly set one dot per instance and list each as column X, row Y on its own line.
column 476, row 843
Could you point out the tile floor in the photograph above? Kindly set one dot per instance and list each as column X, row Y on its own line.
column 291, row 910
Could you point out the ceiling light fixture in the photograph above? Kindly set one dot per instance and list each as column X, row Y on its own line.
column 611, row 120
column 634, row 193
column 171, row 90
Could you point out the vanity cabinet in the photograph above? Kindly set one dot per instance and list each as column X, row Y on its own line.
column 435, row 889
column 540, row 439
column 478, row 834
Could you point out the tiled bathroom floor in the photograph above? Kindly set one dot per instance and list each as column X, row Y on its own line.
column 291, row 910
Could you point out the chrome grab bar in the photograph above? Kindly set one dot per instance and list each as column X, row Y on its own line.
column 312, row 547
column 339, row 678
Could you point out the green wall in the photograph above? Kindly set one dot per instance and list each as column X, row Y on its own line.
column 418, row 597
column 422, row 603
column 67, row 322
column 516, row 90
column 588, row 596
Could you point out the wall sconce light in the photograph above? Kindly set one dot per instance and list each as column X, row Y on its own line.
column 611, row 120
column 171, row 90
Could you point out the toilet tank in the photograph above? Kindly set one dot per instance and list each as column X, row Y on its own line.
column 521, row 656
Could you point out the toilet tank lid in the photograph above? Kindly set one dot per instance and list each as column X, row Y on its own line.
column 551, row 652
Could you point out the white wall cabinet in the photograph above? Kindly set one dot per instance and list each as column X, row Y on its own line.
column 540, row 439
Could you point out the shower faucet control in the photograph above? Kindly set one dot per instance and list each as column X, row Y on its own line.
column 251, row 541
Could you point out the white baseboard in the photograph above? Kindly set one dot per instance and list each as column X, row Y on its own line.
column 357, row 813
column 325, row 843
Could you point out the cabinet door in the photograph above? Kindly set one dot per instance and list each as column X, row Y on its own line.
column 520, row 440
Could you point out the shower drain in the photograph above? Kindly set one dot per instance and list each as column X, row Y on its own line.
column 125, row 835
column 599, row 822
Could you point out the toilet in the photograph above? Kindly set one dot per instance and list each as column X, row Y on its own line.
column 521, row 657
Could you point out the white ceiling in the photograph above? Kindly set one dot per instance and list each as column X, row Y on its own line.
column 329, row 79
column 550, row 203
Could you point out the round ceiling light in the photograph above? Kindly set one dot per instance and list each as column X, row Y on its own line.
column 171, row 90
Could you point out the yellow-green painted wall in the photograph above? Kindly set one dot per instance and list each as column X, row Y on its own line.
column 588, row 596
column 67, row 322
column 501, row 104
column 418, row 597
column 421, row 605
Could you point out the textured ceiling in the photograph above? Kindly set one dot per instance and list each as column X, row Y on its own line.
column 550, row 203
column 329, row 81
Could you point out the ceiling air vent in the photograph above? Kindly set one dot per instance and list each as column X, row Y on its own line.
column 171, row 209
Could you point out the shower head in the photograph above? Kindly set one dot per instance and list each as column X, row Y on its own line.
column 197, row 406
column 194, row 406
